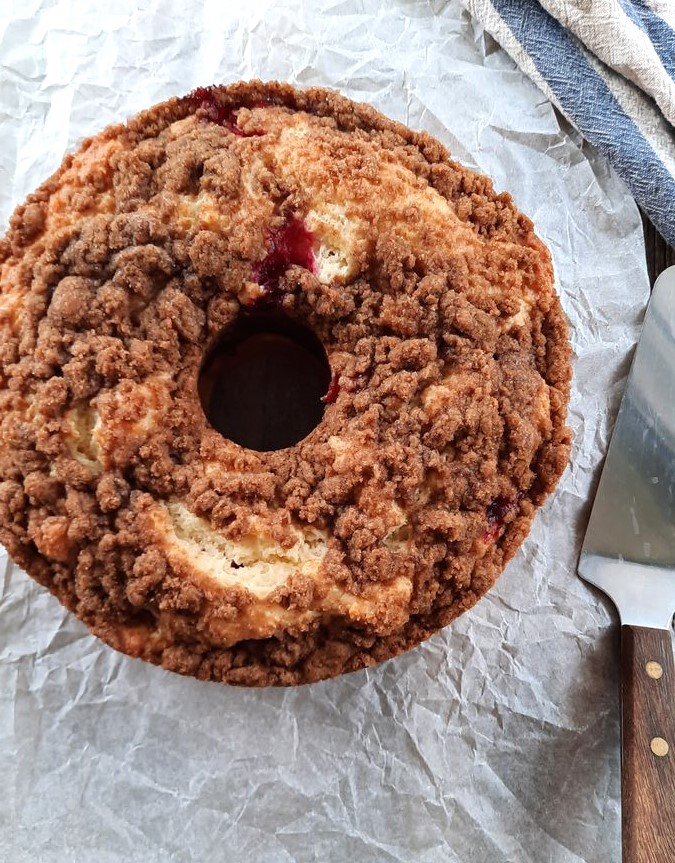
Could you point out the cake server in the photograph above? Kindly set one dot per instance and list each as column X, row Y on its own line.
column 629, row 553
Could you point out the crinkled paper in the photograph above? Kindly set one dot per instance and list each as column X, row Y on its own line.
column 497, row 740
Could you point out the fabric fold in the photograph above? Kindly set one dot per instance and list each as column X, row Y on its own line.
column 609, row 66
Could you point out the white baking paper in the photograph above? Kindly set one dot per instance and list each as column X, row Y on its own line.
column 498, row 740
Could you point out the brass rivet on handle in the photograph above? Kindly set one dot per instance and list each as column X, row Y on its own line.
column 654, row 670
column 659, row 746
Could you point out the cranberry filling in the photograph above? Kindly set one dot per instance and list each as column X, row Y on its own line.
column 496, row 515
column 333, row 391
column 499, row 509
column 290, row 245
column 223, row 115
column 205, row 99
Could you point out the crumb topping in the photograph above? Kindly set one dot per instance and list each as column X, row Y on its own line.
column 443, row 427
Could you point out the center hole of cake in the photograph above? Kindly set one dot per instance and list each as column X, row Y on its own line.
column 263, row 383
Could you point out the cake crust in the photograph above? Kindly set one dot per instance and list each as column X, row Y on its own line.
column 443, row 432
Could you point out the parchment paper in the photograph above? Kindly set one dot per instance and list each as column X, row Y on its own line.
column 495, row 741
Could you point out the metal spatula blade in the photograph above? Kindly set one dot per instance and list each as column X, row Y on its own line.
column 629, row 553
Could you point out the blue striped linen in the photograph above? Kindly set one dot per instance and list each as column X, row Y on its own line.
column 609, row 66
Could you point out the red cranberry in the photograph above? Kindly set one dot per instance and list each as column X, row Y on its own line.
column 215, row 112
column 333, row 391
column 291, row 244
column 496, row 514
column 499, row 509
column 204, row 98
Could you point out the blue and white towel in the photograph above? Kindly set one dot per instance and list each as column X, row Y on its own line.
column 609, row 66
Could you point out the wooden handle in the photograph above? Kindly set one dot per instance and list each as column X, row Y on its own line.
column 647, row 745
